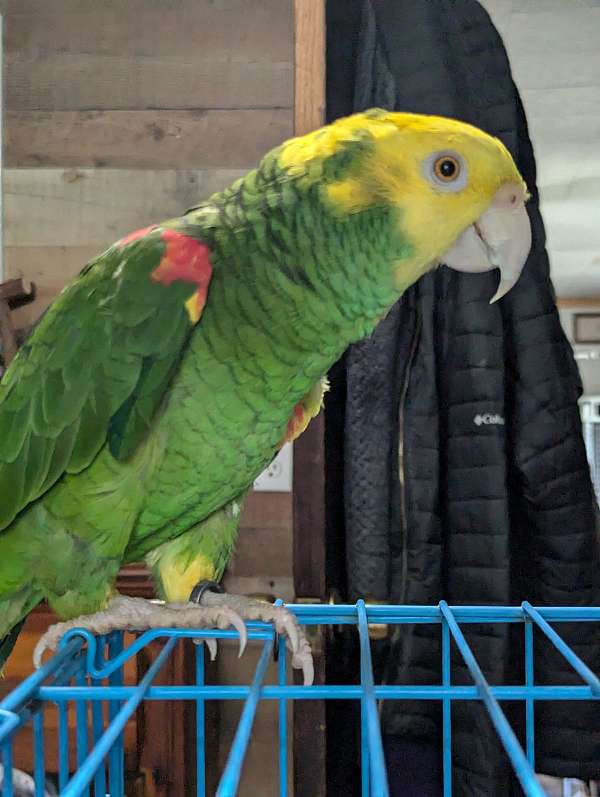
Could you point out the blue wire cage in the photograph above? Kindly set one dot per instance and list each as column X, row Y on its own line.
column 87, row 672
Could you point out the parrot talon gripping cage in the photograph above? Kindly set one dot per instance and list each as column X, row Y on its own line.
column 81, row 674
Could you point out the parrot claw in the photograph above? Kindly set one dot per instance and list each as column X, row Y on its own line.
column 215, row 611
column 211, row 644
column 284, row 621
column 138, row 614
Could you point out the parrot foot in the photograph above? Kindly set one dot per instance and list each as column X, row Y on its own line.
column 284, row 621
column 138, row 614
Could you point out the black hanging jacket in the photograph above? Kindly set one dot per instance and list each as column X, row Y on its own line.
column 464, row 469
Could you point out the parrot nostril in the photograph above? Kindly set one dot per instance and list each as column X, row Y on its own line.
column 508, row 197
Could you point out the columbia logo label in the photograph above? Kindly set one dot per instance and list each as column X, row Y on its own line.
column 487, row 419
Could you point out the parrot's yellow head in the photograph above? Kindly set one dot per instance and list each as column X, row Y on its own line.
column 459, row 195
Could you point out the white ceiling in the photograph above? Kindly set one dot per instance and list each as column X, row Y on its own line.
column 554, row 50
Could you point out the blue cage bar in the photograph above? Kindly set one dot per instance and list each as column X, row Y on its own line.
column 87, row 672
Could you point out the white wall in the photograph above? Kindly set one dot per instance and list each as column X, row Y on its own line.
column 554, row 50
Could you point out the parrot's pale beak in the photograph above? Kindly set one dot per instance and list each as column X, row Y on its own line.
column 500, row 238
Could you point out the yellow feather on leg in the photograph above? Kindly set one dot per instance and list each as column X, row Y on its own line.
column 179, row 579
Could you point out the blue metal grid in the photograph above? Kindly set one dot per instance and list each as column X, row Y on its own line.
column 88, row 671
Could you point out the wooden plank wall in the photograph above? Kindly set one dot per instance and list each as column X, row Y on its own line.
column 124, row 112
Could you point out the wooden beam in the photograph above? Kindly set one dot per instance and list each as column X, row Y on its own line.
column 587, row 301
column 310, row 775
column 309, row 512
column 309, row 65
column 309, row 470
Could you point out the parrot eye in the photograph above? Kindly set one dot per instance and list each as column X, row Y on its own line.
column 446, row 170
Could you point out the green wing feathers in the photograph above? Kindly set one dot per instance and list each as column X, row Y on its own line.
column 98, row 364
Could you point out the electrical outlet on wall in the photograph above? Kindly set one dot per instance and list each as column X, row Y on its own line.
column 277, row 478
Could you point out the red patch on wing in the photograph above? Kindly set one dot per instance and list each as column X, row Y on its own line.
column 294, row 423
column 188, row 260
column 135, row 236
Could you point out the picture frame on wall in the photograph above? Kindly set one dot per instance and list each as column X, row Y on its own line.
column 586, row 327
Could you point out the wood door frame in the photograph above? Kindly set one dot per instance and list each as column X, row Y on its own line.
column 309, row 455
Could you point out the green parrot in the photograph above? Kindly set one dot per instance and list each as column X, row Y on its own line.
column 168, row 374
